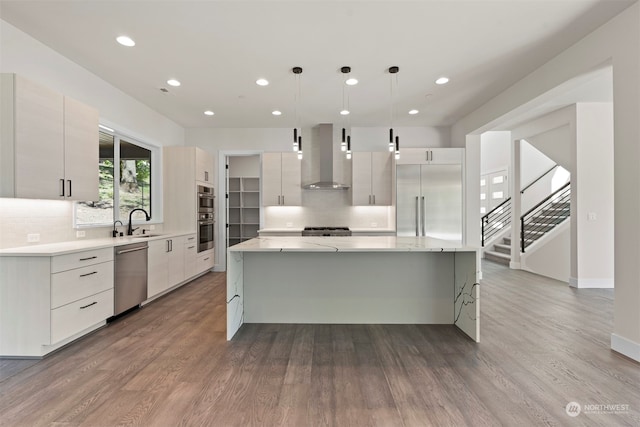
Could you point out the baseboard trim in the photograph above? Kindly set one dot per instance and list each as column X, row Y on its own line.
column 514, row 265
column 625, row 346
column 591, row 283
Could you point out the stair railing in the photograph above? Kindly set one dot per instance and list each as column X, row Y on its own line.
column 538, row 178
column 495, row 220
column 545, row 216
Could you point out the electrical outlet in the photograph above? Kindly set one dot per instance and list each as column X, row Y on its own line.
column 33, row 237
column 591, row 216
column 80, row 233
column 374, row 224
column 289, row 224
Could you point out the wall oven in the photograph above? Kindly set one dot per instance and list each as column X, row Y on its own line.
column 206, row 218
column 206, row 199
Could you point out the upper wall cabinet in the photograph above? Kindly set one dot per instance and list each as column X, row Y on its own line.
column 426, row 156
column 49, row 145
column 372, row 178
column 204, row 166
column 281, row 179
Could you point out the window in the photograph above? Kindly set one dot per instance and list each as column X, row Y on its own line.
column 133, row 175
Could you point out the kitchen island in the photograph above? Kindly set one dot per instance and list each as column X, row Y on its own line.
column 363, row 279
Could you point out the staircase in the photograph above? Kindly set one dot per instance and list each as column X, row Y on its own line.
column 501, row 252
column 534, row 224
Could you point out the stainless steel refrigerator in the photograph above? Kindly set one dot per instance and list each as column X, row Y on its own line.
column 429, row 201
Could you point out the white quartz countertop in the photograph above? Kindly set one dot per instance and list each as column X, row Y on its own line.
column 61, row 248
column 349, row 244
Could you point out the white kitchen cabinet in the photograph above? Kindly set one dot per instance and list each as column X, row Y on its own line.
column 430, row 156
column 190, row 257
column 372, row 178
column 49, row 147
column 281, row 179
column 48, row 301
column 204, row 261
column 204, row 166
column 166, row 264
column 183, row 170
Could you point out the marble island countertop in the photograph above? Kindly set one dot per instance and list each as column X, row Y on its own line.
column 349, row 244
column 61, row 248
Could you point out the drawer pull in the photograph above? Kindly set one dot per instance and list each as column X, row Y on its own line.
column 89, row 305
column 206, row 259
column 191, row 238
column 88, row 274
column 87, row 259
column 191, row 247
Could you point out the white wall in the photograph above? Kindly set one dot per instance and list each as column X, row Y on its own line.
column 550, row 257
column 495, row 152
column 617, row 42
column 53, row 220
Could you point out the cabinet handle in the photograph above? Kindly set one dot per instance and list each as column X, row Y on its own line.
column 206, row 259
column 282, row 200
column 191, row 247
column 88, row 274
column 369, row 198
column 69, row 181
column 417, row 216
column 191, row 238
column 87, row 259
column 424, row 215
column 206, row 176
column 278, row 200
column 374, row 199
column 61, row 187
column 88, row 305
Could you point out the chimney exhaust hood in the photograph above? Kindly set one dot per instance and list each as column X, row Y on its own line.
column 321, row 160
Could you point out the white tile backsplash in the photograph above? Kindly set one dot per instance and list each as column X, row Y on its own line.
column 51, row 219
column 328, row 208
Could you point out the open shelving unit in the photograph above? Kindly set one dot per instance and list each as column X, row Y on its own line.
column 244, row 209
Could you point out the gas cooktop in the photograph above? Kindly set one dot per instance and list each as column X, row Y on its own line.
column 326, row 231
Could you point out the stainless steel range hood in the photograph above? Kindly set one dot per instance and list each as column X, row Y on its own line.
column 326, row 168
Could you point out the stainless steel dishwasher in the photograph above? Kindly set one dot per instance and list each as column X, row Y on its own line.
column 130, row 285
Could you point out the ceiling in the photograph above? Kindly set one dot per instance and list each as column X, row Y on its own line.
column 218, row 49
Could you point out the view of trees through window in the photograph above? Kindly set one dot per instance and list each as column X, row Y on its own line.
column 134, row 183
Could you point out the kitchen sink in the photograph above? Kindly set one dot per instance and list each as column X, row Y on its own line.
column 143, row 236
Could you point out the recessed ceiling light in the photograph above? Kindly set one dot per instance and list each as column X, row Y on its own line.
column 276, row 113
column 344, row 112
column 442, row 80
column 173, row 82
column 209, row 113
column 262, row 82
column 413, row 112
column 125, row 41
column 351, row 81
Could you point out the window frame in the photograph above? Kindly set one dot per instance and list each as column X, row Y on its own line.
column 155, row 180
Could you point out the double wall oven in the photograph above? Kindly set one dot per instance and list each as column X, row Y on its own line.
column 206, row 217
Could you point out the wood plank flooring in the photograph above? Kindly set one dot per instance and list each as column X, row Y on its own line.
column 542, row 346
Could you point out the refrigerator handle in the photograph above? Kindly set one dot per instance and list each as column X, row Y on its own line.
column 424, row 215
column 417, row 217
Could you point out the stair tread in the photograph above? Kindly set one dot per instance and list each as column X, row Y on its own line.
column 498, row 255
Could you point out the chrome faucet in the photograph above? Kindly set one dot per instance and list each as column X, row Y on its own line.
column 130, row 227
column 115, row 231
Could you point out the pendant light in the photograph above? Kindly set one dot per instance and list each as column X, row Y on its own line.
column 345, row 108
column 394, row 145
column 297, row 133
column 349, row 147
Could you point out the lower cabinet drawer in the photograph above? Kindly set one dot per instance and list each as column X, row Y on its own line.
column 205, row 262
column 76, row 316
column 72, row 285
column 80, row 259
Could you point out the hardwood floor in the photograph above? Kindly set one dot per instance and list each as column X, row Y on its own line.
column 542, row 346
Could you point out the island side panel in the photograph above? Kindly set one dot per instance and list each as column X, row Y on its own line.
column 235, row 292
column 349, row 287
column 467, row 295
